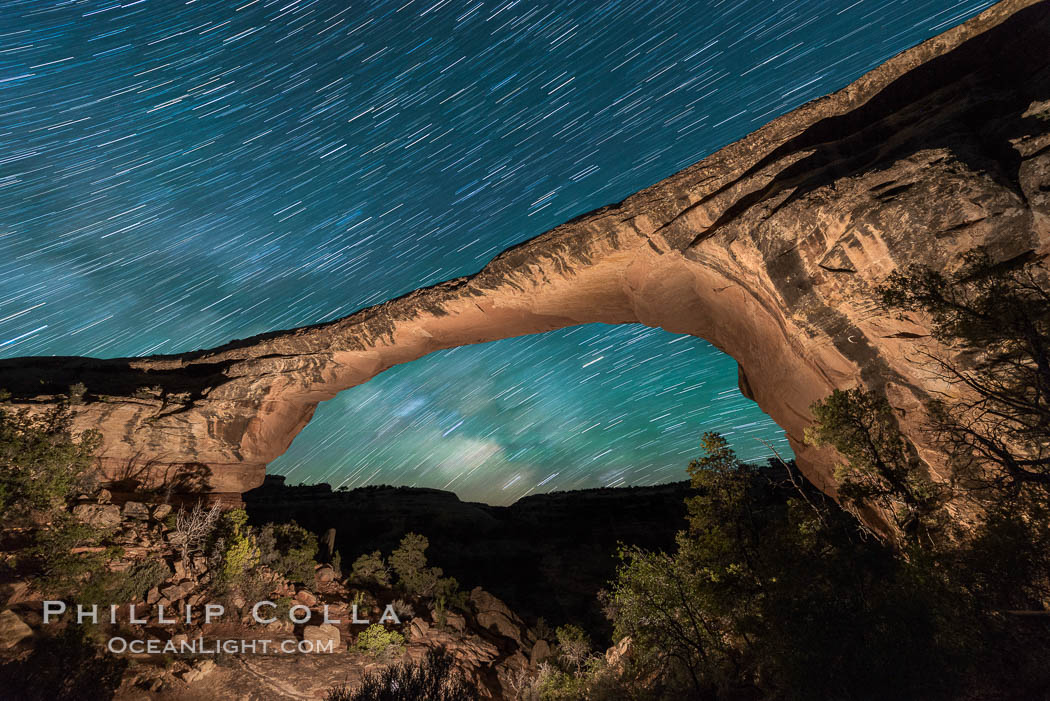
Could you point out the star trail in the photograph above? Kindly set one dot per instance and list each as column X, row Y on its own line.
column 174, row 175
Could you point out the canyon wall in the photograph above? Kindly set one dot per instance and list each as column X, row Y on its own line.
column 769, row 248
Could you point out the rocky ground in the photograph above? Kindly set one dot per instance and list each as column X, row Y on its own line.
column 489, row 642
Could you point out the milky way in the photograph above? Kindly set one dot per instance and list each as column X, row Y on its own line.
column 176, row 175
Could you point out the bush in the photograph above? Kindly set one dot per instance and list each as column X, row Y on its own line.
column 409, row 562
column 337, row 564
column 377, row 641
column 288, row 549
column 881, row 467
column 194, row 527
column 434, row 679
column 775, row 592
column 574, row 647
column 370, row 569
column 42, row 463
column 403, row 609
column 58, row 570
column 595, row 681
column 125, row 587
column 235, row 547
column 63, row 667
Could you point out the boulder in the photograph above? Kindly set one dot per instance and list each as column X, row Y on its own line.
column 161, row 511
column 13, row 629
column 136, row 510
column 541, row 650
column 493, row 615
column 174, row 592
column 13, row 592
column 455, row 621
column 198, row 671
column 325, row 574
column 418, row 629
column 306, row 598
column 321, row 635
column 616, row 656
column 98, row 515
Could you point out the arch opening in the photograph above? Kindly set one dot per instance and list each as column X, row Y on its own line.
column 613, row 406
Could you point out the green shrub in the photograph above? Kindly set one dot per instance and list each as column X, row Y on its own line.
column 337, row 564
column 42, row 463
column 595, row 681
column 67, row 666
column 370, row 568
column 288, row 549
column 434, row 679
column 282, row 607
column 881, row 468
column 235, row 546
column 125, row 587
column 377, row 641
column 409, row 562
column 58, row 570
column 574, row 647
column 774, row 592
column 553, row 684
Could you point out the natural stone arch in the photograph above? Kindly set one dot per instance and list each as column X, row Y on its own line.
column 770, row 249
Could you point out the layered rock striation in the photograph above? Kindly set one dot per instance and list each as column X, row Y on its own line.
column 769, row 248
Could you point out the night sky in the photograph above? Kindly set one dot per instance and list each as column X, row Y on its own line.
column 174, row 175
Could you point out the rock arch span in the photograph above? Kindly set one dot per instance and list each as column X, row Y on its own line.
column 770, row 249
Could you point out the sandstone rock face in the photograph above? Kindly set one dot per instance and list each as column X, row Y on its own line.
column 769, row 248
column 493, row 615
column 325, row 637
column 13, row 629
column 136, row 510
column 101, row 515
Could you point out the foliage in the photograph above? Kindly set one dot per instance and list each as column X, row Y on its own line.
column 542, row 631
column 370, row 568
column 403, row 609
column 409, row 562
column 440, row 613
column 337, row 564
column 774, row 592
column 42, row 463
column 77, row 390
column 254, row 585
column 108, row 587
column 377, row 641
column 67, row 666
column 594, row 681
column 881, row 468
column 50, row 558
column 995, row 316
column 434, row 679
column 574, row 647
column 235, row 546
column 288, row 549
column 414, row 576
